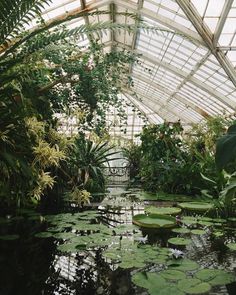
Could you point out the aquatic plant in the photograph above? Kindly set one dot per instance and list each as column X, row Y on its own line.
column 162, row 210
column 154, row 221
column 196, row 206
column 179, row 241
column 175, row 253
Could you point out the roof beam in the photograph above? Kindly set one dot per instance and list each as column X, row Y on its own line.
column 112, row 18
column 136, row 33
column 169, row 23
column 161, row 108
column 175, row 95
column 180, row 73
column 86, row 19
column 132, row 100
column 221, row 21
column 135, row 36
column 155, row 61
column 207, row 36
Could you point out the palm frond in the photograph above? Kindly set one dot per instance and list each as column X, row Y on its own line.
column 15, row 14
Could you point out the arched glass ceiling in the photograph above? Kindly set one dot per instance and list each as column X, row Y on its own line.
column 190, row 70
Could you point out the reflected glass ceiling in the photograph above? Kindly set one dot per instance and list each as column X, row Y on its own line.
column 189, row 67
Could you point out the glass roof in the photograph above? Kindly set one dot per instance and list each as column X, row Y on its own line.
column 188, row 70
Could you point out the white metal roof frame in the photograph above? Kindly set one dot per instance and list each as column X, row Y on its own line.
column 192, row 65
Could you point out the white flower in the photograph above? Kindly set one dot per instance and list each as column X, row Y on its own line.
column 176, row 253
column 141, row 240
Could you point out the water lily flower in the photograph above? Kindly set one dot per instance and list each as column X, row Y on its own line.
column 141, row 240
column 176, row 253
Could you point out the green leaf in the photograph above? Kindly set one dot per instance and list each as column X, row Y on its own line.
column 207, row 179
column 226, row 148
column 179, row 241
column 64, row 236
column 71, row 247
column 215, row 277
column 231, row 246
column 172, row 274
column 165, row 290
column 154, row 221
column 162, row 210
column 148, row 280
column 181, row 230
column 193, row 286
column 198, row 231
column 183, row 264
column 196, row 206
column 44, row 235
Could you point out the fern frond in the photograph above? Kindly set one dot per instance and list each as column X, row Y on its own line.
column 15, row 14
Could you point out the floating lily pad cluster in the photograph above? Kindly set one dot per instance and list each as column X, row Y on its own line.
column 176, row 279
column 79, row 233
column 133, row 255
column 82, row 232
column 202, row 221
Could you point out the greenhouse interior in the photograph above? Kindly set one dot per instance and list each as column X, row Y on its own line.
column 117, row 147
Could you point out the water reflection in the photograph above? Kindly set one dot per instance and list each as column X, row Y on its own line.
column 34, row 266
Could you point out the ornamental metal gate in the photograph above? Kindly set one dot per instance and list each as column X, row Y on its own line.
column 117, row 175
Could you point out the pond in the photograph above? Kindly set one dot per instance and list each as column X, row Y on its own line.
column 100, row 251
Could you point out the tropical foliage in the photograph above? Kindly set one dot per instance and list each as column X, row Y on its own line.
column 87, row 161
column 162, row 157
column 174, row 162
column 43, row 73
column 226, row 150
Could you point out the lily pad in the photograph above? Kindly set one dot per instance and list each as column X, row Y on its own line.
column 44, row 234
column 133, row 264
column 71, row 247
column 183, row 264
column 162, row 210
column 206, row 223
column 9, row 237
column 172, row 274
column 196, row 206
column 64, row 236
column 189, row 220
column 218, row 234
column 154, row 221
column 231, row 246
column 165, row 290
column 219, row 220
column 215, row 277
column 193, row 286
column 198, row 231
column 160, row 259
column 179, row 241
column 148, row 280
column 181, row 230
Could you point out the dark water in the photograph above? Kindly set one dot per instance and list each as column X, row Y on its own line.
column 33, row 266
